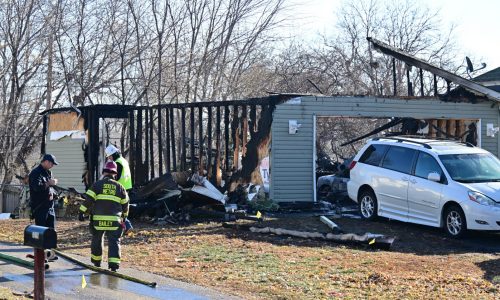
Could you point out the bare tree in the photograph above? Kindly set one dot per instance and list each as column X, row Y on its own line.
column 23, row 53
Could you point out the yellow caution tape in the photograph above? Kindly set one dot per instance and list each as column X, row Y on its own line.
column 258, row 215
column 371, row 242
column 84, row 282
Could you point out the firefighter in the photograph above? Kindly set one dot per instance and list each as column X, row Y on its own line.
column 124, row 175
column 107, row 203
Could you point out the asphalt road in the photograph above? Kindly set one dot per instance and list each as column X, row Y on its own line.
column 63, row 280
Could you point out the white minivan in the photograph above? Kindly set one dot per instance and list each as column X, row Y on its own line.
column 431, row 182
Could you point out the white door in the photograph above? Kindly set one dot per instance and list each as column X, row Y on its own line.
column 424, row 196
column 392, row 182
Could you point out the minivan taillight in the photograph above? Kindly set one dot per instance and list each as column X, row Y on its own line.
column 353, row 163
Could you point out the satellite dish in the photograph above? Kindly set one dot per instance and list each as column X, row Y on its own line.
column 470, row 68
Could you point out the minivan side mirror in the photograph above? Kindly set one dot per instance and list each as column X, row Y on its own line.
column 433, row 176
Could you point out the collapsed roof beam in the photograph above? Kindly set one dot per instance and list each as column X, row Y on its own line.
column 448, row 76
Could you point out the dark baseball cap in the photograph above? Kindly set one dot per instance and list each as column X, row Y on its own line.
column 50, row 158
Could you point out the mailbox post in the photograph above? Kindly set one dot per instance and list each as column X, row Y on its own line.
column 40, row 238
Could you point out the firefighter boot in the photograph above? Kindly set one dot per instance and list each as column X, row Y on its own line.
column 113, row 266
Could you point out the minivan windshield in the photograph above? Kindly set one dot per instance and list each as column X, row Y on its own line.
column 470, row 168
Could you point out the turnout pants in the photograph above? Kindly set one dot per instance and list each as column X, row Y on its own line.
column 113, row 246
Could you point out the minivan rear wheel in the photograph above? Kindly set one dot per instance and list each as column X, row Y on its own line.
column 455, row 224
column 367, row 205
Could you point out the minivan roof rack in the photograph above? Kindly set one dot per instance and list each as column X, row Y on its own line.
column 401, row 140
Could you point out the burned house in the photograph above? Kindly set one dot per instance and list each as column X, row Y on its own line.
column 227, row 141
column 467, row 111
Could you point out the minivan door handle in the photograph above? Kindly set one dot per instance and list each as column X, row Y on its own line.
column 413, row 181
column 404, row 178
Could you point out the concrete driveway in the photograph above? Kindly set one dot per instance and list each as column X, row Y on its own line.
column 63, row 280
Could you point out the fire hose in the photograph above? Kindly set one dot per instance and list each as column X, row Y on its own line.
column 17, row 260
column 104, row 271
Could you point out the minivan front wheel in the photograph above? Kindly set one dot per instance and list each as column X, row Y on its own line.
column 367, row 205
column 455, row 224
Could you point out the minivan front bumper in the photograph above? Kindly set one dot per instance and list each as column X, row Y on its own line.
column 481, row 217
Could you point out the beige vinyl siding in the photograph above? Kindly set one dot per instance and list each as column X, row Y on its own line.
column 69, row 155
column 292, row 155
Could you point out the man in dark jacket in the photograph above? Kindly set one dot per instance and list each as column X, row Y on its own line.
column 107, row 202
column 42, row 193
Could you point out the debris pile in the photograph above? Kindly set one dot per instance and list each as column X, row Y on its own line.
column 337, row 235
column 176, row 197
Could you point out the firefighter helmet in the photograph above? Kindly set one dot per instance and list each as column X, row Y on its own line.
column 110, row 167
column 110, row 150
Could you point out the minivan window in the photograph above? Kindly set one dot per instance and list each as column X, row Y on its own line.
column 399, row 159
column 474, row 167
column 425, row 165
column 373, row 154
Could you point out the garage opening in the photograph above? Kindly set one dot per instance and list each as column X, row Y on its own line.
column 338, row 139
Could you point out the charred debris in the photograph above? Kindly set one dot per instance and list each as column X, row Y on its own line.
column 188, row 159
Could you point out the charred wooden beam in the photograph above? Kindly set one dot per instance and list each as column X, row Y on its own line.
column 391, row 124
column 421, row 83
column 193, row 166
column 146, row 144
column 235, row 135
column 253, row 118
column 430, row 127
column 138, row 147
column 167, row 127
column 440, row 125
column 122, row 138
column 90, row 149
column 274, row 99
column 257, row 149
column 412, row 60
column 172, row 136
column 450, row 127
column 410, row 88
column 244, row 130
column 151, row 147
column 435, row 85
column 394, row 81
column 216, row 166
column 209, row 142
column 227, row 166
column 132, row 153
column 160, row 142
column 434, row 125
column 183, row 139
column 200, row 140
column 368, row 240
column 459, row 128
column 94, row 146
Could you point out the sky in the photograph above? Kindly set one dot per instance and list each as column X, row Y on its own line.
column 477, row 24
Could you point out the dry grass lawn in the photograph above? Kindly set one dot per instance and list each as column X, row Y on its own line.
column 423, row 264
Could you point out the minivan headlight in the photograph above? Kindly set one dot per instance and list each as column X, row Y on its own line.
column 482, row 199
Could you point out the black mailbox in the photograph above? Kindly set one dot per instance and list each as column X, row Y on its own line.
column 40, row 237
